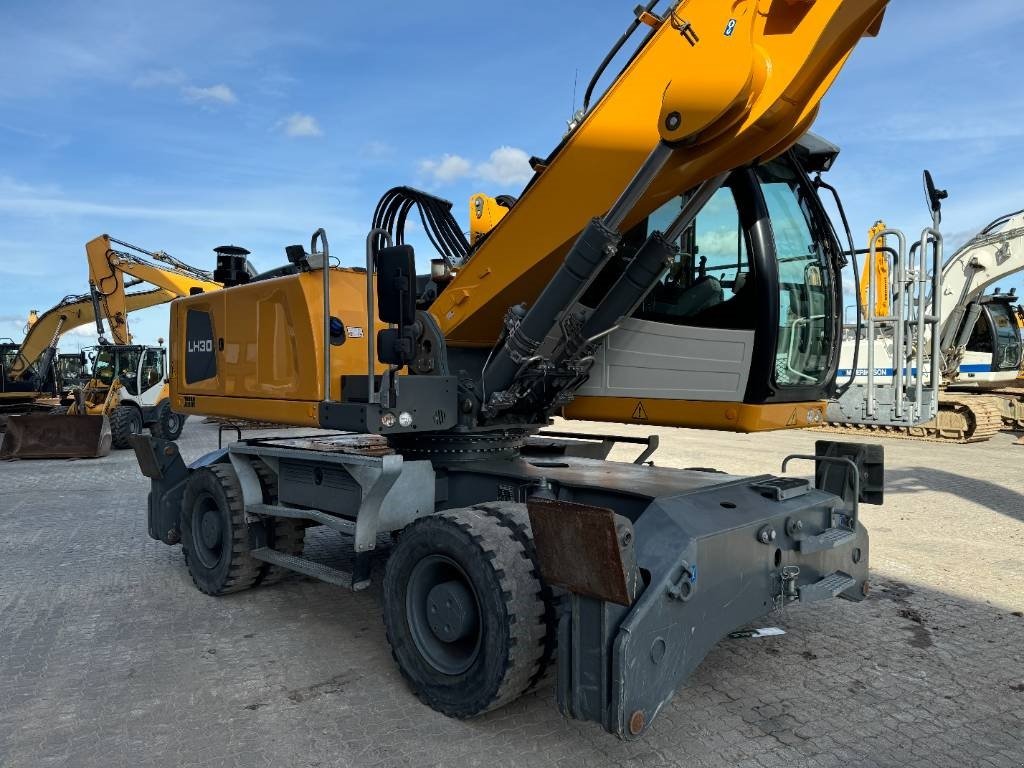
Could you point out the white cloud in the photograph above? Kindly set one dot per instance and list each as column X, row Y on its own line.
column 158, row 78
column 301, row 126
column 447, row 169
column 214, row 94
column 506, row 166
column 378, row 149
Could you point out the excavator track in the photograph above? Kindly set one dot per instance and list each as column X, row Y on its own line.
column 1013, row 405
column 961, row 419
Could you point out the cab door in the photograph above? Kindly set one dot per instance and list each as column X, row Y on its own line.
column 151, row 375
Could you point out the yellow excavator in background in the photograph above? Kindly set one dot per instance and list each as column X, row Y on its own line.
column 438, row 387
column 126, row 390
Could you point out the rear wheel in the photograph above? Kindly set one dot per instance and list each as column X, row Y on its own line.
column 214, row 535
column 168, row 424
column 464, row 612
column 125, row 421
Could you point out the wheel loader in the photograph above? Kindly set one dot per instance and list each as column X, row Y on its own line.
column 126, row 390
column 513, row 551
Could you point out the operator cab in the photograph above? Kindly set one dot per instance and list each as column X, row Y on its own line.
column 139, row 368
column 30, row 383
column 995, row 342
column 747, row 312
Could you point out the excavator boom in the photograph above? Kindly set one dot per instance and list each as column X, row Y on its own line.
column 109, row 266
column 73, row 312
column 723, row 84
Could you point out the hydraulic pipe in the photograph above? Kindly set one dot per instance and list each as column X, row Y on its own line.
column 95, row 296
column 592, row 250
column 645, row 269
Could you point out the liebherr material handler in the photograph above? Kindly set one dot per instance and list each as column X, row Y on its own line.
column 127, row 389
column 513, row 551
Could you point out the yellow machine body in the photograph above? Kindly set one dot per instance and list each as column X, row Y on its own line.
column 484, row 214
column 268, row 337
column 698, row 414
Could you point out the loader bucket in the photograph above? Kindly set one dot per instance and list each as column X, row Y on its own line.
column 55, row 436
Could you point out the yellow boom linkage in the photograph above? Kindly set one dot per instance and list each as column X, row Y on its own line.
column 747, row 91
column 878, row 271
column 108, row 266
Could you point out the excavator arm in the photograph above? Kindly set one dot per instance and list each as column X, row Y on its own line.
column 109, row 268
column 69, row 313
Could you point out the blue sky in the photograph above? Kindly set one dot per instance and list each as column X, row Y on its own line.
column 183, row 126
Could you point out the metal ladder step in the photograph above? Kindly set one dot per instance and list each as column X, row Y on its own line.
column 323, row 518
column 826, row 587
column 830, row 538
column 310, row 568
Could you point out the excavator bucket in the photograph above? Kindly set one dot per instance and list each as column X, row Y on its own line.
column 56, row 436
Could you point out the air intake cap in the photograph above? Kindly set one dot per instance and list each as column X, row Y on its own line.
column 232, row 266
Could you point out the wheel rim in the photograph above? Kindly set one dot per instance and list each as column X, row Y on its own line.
column 207, row 531
column 443, row 612
column 173, row 422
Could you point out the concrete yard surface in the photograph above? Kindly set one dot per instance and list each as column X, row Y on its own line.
column 109, row 657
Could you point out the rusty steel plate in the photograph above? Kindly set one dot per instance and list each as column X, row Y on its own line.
column 578, row 549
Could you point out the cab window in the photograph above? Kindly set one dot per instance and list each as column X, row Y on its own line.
column 712, row 266
column 804, row 350
column 152, row 368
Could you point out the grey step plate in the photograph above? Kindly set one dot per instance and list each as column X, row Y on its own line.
column 306, row 567
column 331, row 521
column 828, row 539
column 826, row 587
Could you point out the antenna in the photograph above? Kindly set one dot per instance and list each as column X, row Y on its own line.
column 572, row 107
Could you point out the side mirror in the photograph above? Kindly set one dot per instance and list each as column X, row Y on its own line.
column 396, row 285
column 933, row 196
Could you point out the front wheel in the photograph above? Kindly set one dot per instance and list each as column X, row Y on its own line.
column 125, row 421
column 168, row 424
column 464, row 612
column 214, row 535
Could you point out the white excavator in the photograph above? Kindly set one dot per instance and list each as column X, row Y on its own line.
column 977, row 343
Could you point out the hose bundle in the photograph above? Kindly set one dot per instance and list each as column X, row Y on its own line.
column 442, row 229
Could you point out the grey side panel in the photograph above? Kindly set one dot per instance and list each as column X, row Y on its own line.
column 644, row 359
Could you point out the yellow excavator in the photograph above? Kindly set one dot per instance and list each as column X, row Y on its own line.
column 516, row 548
column 126, row 389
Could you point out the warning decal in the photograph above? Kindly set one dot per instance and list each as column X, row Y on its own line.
column 639, row 413
column 792, row 419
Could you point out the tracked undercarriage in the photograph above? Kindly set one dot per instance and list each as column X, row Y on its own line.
column 961, row 418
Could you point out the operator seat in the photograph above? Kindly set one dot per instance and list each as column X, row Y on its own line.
column 705, row 293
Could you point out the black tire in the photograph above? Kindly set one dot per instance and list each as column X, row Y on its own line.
column 168, row 424
column 125, row 421
column 283, row 534
column 493, row 656
column 516, row 518
column 214, row 535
